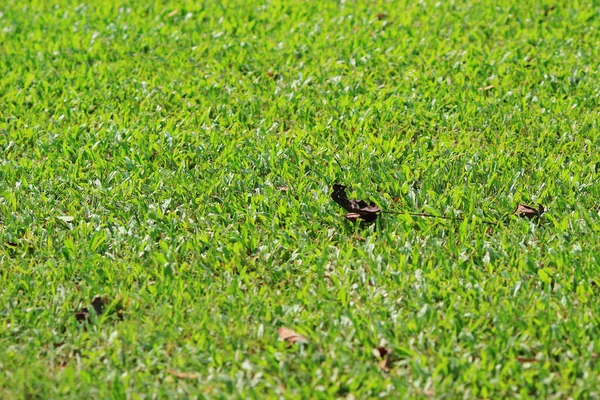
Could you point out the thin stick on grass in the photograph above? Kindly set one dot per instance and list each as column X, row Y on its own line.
column 425, row 215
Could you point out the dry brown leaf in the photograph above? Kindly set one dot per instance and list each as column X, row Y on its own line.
column 283, row 188
column 486, row 88
column 82, row 315
column 525, row 211
column 383, row 353
column 352, row 217
column 183, row 375
column 99, row 304
column 527, row 360
column 359, row 238
column 357, row 209
column 290, row 336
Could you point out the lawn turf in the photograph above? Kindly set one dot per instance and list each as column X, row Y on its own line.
column 178, row 158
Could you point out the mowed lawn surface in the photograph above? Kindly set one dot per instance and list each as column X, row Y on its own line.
column 178, row 159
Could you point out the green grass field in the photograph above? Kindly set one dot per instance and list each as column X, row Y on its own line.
column 177, row 159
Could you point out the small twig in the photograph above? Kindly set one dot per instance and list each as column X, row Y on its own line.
column 424, row 215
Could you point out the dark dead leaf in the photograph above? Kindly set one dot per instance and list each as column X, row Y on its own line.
column 339, row 196
column 82, row 315
column 359, row 238
column 381, row 16
column 486, row 88
column 357, row 209
column 524, row 360
column 383, row 354
column 381, row 351
column 182, row 375
column 383, row 364
column 352, row 217
column 397, row 199
column 11, row 244
column 291, row 336
column 99, row 304
column 283, row 188
column 525, row 211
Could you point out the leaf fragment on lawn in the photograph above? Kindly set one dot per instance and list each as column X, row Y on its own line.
column 99, row 304
column 383, row 354
column 353, row 217
column 525, row 211
column 182, row 375
column 486, row 88
column 65, row 218
column 291, row 336
column 357, row 209
column 82, row 315
column 524, row 360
